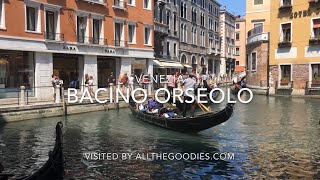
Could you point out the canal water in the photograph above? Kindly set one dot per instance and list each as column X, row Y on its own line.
column 275, row 137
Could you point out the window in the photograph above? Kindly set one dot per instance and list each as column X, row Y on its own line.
column 237, row 26
column 147, row 36
column 210, row 23
column 50, row 25
column 257, row 2
column 285, row 32
column 96, row 31
column 216, row 26
column 132, row 33
column 168, row 48
column 237, row 51
column 183, row 10
column 183, row 59
column 285, row 72
column 237, row 63
column 316, row 28
column 2, row 15
column 174, row 2
column 118, row 34
column 168, row 18
column 174, row 22
column 253, row 61
column 315, row 71
column 175, row 49
column 237, row 36
column 285, row 3
column 211, row 44
column 146, row 4
column 131, row 2
column 202, row 19
column 81, row 28
column 247, row 62
column 32, row 18
column 194, row 15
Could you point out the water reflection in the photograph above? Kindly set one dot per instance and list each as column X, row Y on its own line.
column 270, row 138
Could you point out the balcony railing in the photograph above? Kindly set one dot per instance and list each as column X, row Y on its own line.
column 83, row 39
column 256, row 34
column 98, row 41
column 102, row 2
column 284, row 43
column 314, row 40
column 120, row 43
column 119, row 4
column 285, row 4
column 162, row 28
column 53, row 36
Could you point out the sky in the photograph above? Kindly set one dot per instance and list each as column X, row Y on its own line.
column 238, row 7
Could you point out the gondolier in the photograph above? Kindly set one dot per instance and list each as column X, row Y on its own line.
column 188, row 84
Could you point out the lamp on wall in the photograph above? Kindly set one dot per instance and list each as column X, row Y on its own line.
column 3, row 61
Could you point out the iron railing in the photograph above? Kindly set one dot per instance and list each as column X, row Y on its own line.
column 120, row 43
column 255, row 31
column 53, row 36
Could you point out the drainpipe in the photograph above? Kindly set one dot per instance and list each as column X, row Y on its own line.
column 268, row 66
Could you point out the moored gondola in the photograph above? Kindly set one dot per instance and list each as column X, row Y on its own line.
column 193, row 124
column 53, row 169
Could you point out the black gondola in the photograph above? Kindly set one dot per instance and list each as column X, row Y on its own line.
column 186, row 124
column 53, row 169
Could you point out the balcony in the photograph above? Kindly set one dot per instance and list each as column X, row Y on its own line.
column 161, row 28
column 256, row 34
column 50, row 36
column 285, row 5
column 285, row 43
column 213, row 51
column 120, row 43
column 101, row 2
column 314, row 40
column 119, row 4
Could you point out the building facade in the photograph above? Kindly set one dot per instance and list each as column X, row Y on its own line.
column 295, row 50
column 69, row 39
column 199, row 35
column 240, row 49
column 227, row 30
column 166, row 36
column 257, row 43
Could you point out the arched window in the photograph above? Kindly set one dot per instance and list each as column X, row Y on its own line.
column 194, row 63
column 202, row 62
column 183, row 59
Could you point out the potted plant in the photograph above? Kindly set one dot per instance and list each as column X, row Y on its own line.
column 316, row 81
column 285, row 81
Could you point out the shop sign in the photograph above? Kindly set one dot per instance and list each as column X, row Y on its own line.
column 110, row 51
column 69, row 48
column 303, row 13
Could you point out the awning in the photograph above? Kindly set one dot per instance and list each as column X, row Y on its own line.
column 187, row 66
column 167, row 64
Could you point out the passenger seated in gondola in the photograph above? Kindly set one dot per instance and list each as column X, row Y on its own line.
column 152, row 106
column 169, row 111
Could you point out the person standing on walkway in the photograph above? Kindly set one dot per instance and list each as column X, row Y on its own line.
column 131, row 82
column 53, row 82
column 90, row 83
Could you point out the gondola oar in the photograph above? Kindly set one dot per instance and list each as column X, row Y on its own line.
column 203, row 107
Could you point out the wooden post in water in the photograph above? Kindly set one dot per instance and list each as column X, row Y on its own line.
column 64, row 105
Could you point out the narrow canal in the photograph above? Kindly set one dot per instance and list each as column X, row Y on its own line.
column 274, row 137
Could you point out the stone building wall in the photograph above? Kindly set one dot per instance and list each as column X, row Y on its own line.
column 258, row 77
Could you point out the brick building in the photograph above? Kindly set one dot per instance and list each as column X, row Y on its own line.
column 71, row 38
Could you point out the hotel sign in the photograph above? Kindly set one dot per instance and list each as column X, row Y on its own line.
column 304, row 13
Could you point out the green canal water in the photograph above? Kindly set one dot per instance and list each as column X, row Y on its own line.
column 270, row 138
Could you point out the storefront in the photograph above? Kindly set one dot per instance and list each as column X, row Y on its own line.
column 106, row 66
column 67, row 68
column 16, row 69
column 139, row 66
